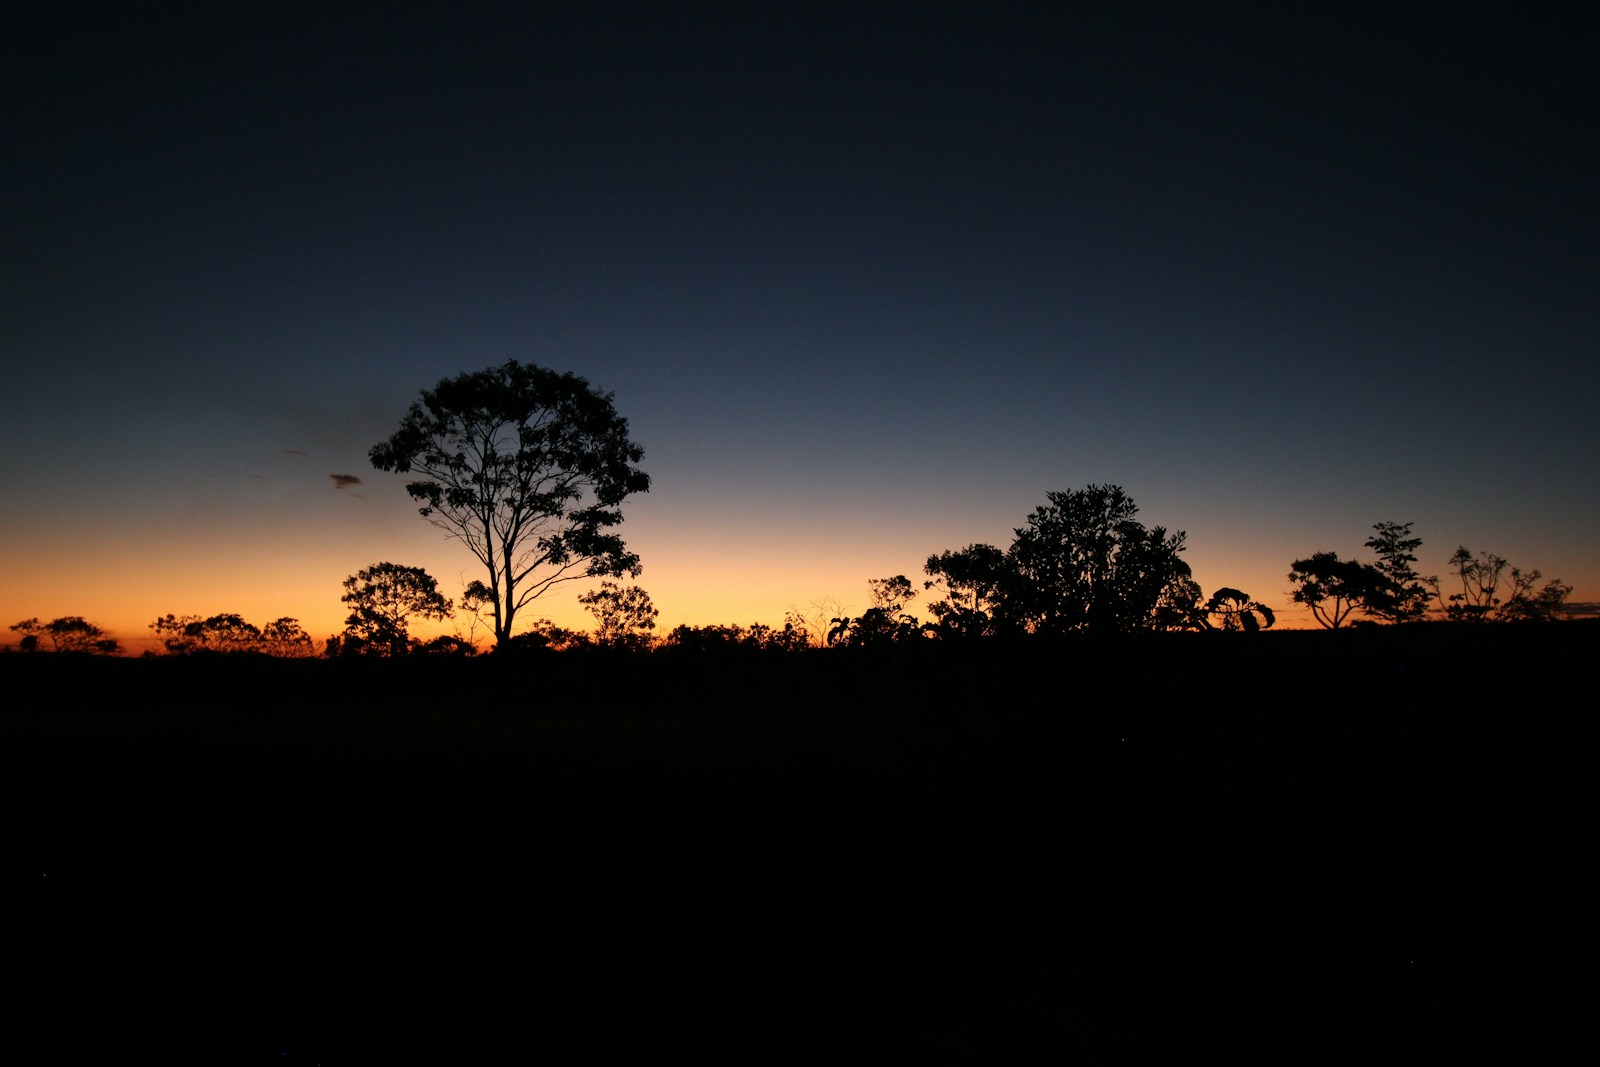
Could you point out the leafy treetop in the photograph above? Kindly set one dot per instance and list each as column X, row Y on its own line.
column 528, row 468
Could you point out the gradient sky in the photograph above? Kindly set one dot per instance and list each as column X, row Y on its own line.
column 866, row 286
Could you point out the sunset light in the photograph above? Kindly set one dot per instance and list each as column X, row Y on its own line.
column 876, row 532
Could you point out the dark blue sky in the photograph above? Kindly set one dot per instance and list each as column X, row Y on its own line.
column 867, row 285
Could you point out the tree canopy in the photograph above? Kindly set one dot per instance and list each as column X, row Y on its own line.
column 624, row 616
column 528, row 468
column 1235, row 611
column 1334, row 588
column 383, row 598
column 69, row 633
column 971, row 581
column 1407, row 595
column 884, row 623
column 1084, row 563
column 183, row 635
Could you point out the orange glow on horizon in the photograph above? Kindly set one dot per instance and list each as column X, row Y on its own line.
column 682, row 595
column 699, row 570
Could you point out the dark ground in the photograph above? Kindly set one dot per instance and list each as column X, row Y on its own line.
column 1288, row 842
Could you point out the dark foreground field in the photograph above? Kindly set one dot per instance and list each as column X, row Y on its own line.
column 1291, row 842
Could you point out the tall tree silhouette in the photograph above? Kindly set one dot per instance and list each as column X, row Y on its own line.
column 1408, row 594
column 527, row 468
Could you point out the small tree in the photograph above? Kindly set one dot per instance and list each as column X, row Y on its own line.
column 796, row 633
column 70, row 633
column 1182, row 607
column 1333, row 588
column 891, row 595
column 885, row 622
column 1407, row 598
column 231, row 633
column 1549, row 604
column 187, row 634
column 287, row 639
column 446, row 645
column 383, row 599
column 1232, row 610
column 1493, row 590
column 624, row 616
column 526, row 467
column 178, row 634
column 791, row 637
column 542, row 635
column 970, row 581
column 816, row 622
column 704, row 638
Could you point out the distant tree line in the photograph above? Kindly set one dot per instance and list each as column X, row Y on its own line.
column 1082, row 563
column 70, row 633
column 187, row 635
column 1481, row 588
column 528, row 469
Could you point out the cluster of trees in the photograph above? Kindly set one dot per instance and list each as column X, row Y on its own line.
column 528, row 468
column 385, row 598
column 1486, row 587
column 1083, row 562
column 791, row 637
column 70, row 633
column 183, row 635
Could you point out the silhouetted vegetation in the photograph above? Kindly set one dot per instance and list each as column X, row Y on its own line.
column 1492, row 590
column 527, row 468
column 1334, row 588
column 383, row 600
column 757, row 637
column 1405, row 596
column 1084, row 563
column 444, row 645
column 885, row 622
column 624, row 617
column 69, row 633
column 1079, row 771
column 183, row 635
column 972, row 581
column 1392, row 591
column 1232, row 610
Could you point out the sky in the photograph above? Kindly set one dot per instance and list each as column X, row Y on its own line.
column 867, row 283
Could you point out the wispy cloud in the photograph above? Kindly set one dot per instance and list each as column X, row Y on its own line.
column 296, row 452
column 344, row 481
